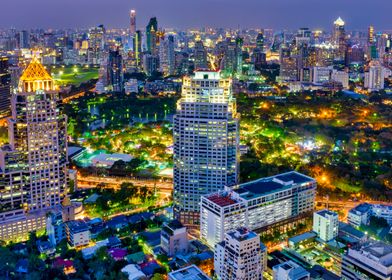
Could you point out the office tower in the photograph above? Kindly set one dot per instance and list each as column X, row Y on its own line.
column 49, row 40
column 372, row 260
column 339, row 38
column 321, row 74
column 340, row 77
column 115, row 70
column 132, row 25
column 288, row 65
column 96, row 38
column 374, row 78
column 290, row 271
column 371, row 39
column 33, row 167
column 166, row 56
column 206, row 140
column 150, row 64
column 200, row 56
column 239, row 256
column 5, row 88
column 232, row 59
column 303, row 37
column 326, row 225
column 257, row 205
column 24, row 39
column 174, row 239
column 260, row 41
column 151, row 36
column 137, row 45
column 355, row 55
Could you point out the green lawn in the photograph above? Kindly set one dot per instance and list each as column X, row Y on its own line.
column 74, row 75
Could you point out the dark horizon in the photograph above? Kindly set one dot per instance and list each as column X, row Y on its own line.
column 276, row 14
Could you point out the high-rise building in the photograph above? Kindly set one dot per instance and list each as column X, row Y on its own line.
column 174, row 239
column 150, row 64
column 24, row 39
column 96, row 38
column 339, row 38
column 200, row 56
column 137, row 47
column 257, row 205
column 151, row 36
column 206, row 142
column 5, row 88
column 166, row 56
column 260, row 41
column 132, row 23
column 239, row 256
column 115, row 69
column 375, row 77
column 33, row 167
column 372, row 260
column 290, row 271
column 371, row 35
column 288, row 65
column 326, row 225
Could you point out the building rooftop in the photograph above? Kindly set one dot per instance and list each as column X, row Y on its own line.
column 376, row 251
column 222, row 199
column 77, row 226
column 325, row 213
column 362, row 208
column 242, row 234
column 272, row 184
column 188, row 273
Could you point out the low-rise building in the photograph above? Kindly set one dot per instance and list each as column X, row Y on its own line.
column 174, row 238
column 372, row 260
column 256, row 205
column 326, row 225
column 78, row 233
column 290, row 271
column 188, row 273
column 359, row 215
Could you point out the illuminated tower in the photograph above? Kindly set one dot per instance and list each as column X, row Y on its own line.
column 205, row 142
column 33, row 167
column 339, row 37
column 132, row 26
column 151, row 35
column 137, row 46
column 371, row 35
column 5, row 88
column 200, row 55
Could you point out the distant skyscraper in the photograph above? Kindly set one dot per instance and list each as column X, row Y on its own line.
column 239, row 256
column 150, row 64
column 137, row 47
column 151, row 35
column 371, row 35
column 205, row 142
column 260, row 41
column 375, row 77
column 166, row 56
column 24, row 39
column 200, row 56
column 33, row 175
column 339, row 38
column 132, row 26
column 96, row 43
column 115, row 69
column 5, row 88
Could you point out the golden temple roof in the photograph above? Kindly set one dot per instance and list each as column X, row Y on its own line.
column 35, row 71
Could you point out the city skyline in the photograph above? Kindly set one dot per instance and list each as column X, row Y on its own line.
column 233, row 14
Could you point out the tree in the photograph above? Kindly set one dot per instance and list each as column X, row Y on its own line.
column 158, row 276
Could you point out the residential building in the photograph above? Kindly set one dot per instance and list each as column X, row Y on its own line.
column 290, row 271
column 115, row 71
column 239, row 256
column 206, row 142
column 372, row 260
column 256, row 205
column 382, row 211
column 188, row 273
column 326, row 225
column 200, row 56
column 174, row 238
column 360, row 215
column 78, row 233
column 340, row 77
column 321, row 74
column 5, row 88
column 374, row 78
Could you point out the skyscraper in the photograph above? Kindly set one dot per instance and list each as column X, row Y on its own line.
column 339, row 38
column 151, row 35
column 24, row 39
column 137, row 47
column 115, row 69
column 239, row 256
column 205, row 142
column 375, row 77
column 33, row 167
column 371, row 35
column 166, row 56
column 132, row 26
column 200, row 56
column 260, row 41
column 5, row 88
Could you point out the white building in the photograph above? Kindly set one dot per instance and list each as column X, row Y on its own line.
column 188, row 273
column 321, row 74
column 239, row 256
column 33, row 167
column 382, row 211
column 77, row 233
column 290, row 271
column 256, row 205
column 374, row 78
column 360, row 215
column 340, row 77
column 206, row 142
column 372, row 260
column 174, row 238
column 326, row 225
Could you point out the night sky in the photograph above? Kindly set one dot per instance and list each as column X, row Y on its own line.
column 290, row 14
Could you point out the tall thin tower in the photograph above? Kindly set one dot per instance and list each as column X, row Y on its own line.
column 132, row 27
